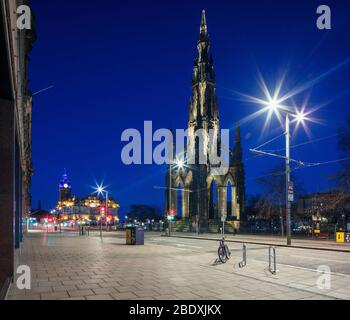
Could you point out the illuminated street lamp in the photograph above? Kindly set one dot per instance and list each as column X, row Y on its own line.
column 275, row 106
column 179, row 164
column 300, row 117
column 100, row 190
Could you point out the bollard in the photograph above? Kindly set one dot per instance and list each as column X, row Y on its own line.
column 243, row 263
column 272, row 260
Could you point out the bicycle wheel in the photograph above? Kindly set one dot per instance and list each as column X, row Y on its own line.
column 227, row 252
column 222, row 254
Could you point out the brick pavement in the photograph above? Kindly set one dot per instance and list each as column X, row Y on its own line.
column 68, row 267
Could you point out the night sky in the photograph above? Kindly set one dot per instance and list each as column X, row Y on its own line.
column 115, row 64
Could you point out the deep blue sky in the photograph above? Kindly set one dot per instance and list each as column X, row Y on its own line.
column 115, row 64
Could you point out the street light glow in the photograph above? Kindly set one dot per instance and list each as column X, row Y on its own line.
column 100, row 189
column 273, row 105
column 275, row 102
column 300, row 117
column 276, row 105
column 180, row 163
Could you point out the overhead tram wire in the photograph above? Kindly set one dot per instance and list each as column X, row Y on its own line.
column 311, row 141
column 262, row 154
column 300, row 163
column 297, row 145
column 305, row 166
column 273, row 174
column 268, row 142
column 317, row 164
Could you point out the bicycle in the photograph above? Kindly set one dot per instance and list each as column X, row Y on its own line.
column 224, row 252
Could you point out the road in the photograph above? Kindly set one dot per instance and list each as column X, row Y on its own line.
column 338, row 262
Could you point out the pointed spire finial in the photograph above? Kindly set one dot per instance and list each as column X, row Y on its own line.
column 204, row 28
column 238, row 133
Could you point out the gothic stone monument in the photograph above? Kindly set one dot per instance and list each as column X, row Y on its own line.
column 197, row 196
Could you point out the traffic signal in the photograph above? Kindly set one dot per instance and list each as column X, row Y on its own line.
column 102, row 211
column 171, row 215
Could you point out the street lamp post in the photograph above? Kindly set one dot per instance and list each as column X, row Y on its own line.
column 179, row 164
column 100, row 225
column 170, row 205
column 101, row 190
column 107, row 210
column 288, row 203
column 273, row 105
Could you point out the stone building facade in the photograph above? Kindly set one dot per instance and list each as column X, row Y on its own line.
column 71, row 209
column 197, row 195
column 15, row 136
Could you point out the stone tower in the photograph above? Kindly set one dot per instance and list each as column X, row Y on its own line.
column 205, row 197
column 203, row 115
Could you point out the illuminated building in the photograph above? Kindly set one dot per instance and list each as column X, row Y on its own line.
column 331, row 206
column 15, row 136
column 84, row 210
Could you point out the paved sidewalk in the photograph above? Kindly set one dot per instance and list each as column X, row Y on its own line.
column 68, row 267
column 270, row 240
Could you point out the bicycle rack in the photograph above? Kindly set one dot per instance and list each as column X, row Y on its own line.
column 243, row 263
column 272, row 260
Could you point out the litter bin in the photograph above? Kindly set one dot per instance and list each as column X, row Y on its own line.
column 140, row 237
column 128, row 233
column 135, row 236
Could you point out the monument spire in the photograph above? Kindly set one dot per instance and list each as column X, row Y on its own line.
column 200, row 206
column 204, row 27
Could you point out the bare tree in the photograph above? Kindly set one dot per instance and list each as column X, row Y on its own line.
column 272, row 203
column 343, row 176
